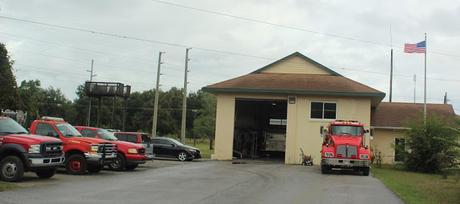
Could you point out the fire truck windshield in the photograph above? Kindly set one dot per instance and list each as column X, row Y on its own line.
column 347, row 130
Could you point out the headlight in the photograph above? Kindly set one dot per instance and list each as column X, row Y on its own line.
column 328, row 154
column 94, row 148
column 34, row 148
column 364, row 156
column 132, row 151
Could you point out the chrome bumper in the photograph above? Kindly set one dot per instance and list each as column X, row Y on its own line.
column 46, row 162
column 99, row 156
column 345, row 162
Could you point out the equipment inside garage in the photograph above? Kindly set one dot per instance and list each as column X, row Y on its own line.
column 260, row 129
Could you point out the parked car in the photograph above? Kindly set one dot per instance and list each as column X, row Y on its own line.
column 129, row 155
column 20, row 152
column 81, row 154
column 139, row 138
column 171, row 148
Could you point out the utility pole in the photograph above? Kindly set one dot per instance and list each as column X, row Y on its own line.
column 89, row 105
column 445, row 98
column 415, row 87
column 157, row 93
column 424, row 90
column 391, row 76
column 184, row 99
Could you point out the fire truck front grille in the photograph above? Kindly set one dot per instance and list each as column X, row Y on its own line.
column 51, row 149
column 347, row 151
column 107, row 149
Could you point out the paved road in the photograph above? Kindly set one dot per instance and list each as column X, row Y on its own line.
column 210, row 182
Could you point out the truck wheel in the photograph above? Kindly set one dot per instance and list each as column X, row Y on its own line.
column 325, row 169
column 76, row 164
column 182, row 156
column 95, row 169
column 131, row 167
column 119, row 163
column 366, row 171
column 11, row 169
column 46, row 173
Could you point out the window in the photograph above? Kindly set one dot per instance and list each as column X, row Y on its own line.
column 347, row 130
column 122, row 137
column 46, row 130
column 322, row 110
column 161, row 142
column 400, row 145
column 132, row 138
column 88, row 133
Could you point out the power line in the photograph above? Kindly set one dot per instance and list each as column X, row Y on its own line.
column 114, row 35
column 286, row 26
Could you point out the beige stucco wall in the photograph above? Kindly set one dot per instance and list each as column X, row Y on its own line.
column 301, row 131
column 295, row 65
column 384, row 140
column 225, row 117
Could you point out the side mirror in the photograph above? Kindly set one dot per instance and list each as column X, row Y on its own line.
column 321, row 129
column 366, row 131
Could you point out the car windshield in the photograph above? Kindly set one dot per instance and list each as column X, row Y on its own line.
column 9, row 126
column 347, row 130
column 106, row 135
column 68, row 130
column 176, row 142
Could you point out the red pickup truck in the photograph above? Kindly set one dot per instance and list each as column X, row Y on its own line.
column 20, row 152
column 129, row 155
column 81, row 153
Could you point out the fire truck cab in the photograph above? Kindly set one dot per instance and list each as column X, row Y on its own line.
column 344, row 147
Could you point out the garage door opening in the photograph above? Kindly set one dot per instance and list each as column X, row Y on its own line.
column 260, row 129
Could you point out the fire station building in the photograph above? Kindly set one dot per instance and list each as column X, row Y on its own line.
column 276, row 112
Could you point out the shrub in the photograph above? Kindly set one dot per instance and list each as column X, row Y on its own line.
column 431, row 146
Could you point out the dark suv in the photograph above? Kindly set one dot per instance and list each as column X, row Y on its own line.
column 171, row 148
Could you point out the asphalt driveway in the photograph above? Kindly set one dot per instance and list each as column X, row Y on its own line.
column 207, row 182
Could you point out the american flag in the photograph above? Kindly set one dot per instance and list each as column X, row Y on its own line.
column 415, row 48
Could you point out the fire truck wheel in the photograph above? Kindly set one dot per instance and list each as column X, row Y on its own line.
column 46, row 173
column 11, row 169
column 365, row 171
column 325, row 169
column 119, row 164
column 76, row 164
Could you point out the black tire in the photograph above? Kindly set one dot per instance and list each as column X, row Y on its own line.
column 76, row 164
column 365, row 171
column 131, row 167
column 119, row 164
column 45, row 173
column 182, row 156
column 325, row 169
column 95, row 169
column 11, row 169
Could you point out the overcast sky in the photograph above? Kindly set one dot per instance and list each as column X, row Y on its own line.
column 350, row 37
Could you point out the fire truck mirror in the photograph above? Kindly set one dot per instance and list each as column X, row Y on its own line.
column 321, row 130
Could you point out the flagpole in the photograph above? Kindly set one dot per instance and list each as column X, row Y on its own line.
column 424, row 92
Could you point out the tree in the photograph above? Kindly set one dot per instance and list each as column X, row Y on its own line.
column 8, row 86
column 204, row 124
column 31, row 95
column 432, row 145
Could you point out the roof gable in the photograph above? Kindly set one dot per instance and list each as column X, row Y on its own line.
column 296, row 63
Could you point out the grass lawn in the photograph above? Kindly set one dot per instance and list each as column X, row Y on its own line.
column 6, row 186
column 419, row 188
column 203, row 145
